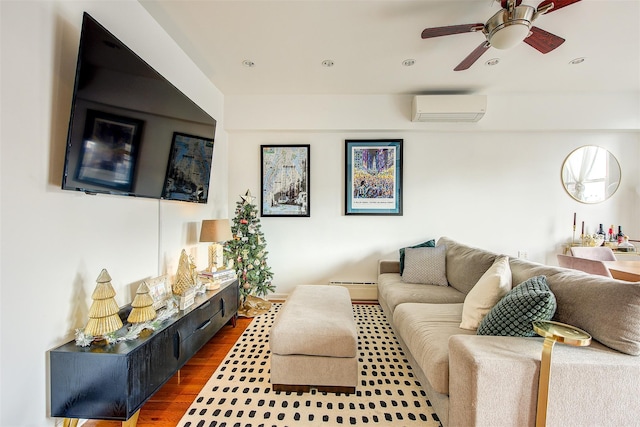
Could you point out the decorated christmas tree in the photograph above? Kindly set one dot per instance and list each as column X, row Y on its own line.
column 248, row 250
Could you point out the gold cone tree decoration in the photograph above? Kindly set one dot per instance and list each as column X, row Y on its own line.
column 103, row 313
column 184, row 276
column 142, row 306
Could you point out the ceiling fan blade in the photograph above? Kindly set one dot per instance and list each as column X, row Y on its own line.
column 557, row 4
column 451, row 29
column 543, row 41
column 473, row 56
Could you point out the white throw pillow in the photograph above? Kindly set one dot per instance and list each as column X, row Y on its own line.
column 492, row 286
column 426, row 266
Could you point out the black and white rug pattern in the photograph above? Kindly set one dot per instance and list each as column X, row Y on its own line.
column 239, row 393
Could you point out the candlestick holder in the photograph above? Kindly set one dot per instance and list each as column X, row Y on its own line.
column 573, row 239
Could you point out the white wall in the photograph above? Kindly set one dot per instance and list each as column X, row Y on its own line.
column 485, row 184
column 54, row 243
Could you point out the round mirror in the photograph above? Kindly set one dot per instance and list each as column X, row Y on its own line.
column 591, row 174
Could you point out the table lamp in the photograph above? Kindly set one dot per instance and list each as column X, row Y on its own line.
column 553, row 332
column 216, row 231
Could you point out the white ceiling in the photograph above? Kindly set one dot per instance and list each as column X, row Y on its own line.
column 369, row 39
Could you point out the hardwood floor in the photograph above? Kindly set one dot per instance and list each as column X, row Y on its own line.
column 168, row 405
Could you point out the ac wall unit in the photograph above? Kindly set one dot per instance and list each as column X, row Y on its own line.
column 448, row 108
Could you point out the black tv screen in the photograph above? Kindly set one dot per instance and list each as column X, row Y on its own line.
column 131, row 132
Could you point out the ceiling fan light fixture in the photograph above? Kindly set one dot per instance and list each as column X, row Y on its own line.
column 509, row 36
column 506, row 29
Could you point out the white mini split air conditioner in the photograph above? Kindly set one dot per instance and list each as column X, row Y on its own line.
column 448, row 108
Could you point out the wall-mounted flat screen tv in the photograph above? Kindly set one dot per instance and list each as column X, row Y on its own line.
column 132, row 132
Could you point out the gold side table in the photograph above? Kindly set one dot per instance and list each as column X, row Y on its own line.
column 553, row 332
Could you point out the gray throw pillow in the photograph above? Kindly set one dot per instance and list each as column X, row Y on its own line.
column 425, row 266
column 428, row 244
column 514, row 313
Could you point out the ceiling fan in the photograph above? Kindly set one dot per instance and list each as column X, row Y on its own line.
column 508, row 27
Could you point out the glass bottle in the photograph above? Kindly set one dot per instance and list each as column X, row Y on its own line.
column 620, row 236
column 602, row 235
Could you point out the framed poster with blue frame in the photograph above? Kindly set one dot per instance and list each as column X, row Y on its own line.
column 373, row 177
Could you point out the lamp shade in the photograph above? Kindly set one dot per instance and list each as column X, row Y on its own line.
column 215, row 230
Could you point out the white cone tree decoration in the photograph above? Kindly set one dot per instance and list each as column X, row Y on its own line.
column 103, row 313
column 142, row 306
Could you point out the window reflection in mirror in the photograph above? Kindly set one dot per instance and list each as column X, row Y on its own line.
column 591, row 174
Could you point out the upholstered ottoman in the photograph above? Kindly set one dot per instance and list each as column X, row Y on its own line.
column 314, row 341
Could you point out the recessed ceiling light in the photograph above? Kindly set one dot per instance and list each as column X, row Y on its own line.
column 408, row 62
column 493, row 61
column 577, row 61
column 327, row 63
column 248, row 63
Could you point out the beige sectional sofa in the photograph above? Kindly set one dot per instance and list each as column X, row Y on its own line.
column 481, row 380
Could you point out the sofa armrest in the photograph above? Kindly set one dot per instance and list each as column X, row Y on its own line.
column 388, row 266
column 493, row 381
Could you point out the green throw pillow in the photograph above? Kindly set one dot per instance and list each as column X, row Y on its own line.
column 428, row 244
column 513, row 314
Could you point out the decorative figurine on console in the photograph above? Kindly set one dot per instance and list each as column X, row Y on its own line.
column 142, row 306
column 185, row 282
column 103, row 313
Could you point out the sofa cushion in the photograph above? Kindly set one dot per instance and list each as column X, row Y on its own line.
column 425, row 265
column 492, row 286
column 465, row 264
column 425, row 330
column 512, row 316
column 392, row 291
column 428, row 244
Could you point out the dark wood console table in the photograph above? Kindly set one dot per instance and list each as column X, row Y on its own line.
column 112, row 382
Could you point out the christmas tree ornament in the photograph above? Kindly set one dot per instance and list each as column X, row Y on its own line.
column 185, row 279
column 247, row 198
column 142, row 306
column 103, row 313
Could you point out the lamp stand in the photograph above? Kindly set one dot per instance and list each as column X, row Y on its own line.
column 216, row 256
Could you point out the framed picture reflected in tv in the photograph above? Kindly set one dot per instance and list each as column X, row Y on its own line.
column 109, row 150
column 189, row 168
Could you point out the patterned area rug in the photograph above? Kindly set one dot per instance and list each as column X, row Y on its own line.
column 239, row 393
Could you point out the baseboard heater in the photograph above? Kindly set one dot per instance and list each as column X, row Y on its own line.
column 359, row 291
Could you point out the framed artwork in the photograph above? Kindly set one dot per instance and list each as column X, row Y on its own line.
column 373, row 177
column 284, row 180
column 109, row 150
column 159, row 290
column 189, row 168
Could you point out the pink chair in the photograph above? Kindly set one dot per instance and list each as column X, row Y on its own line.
column 600, row 253
column 590, row 266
